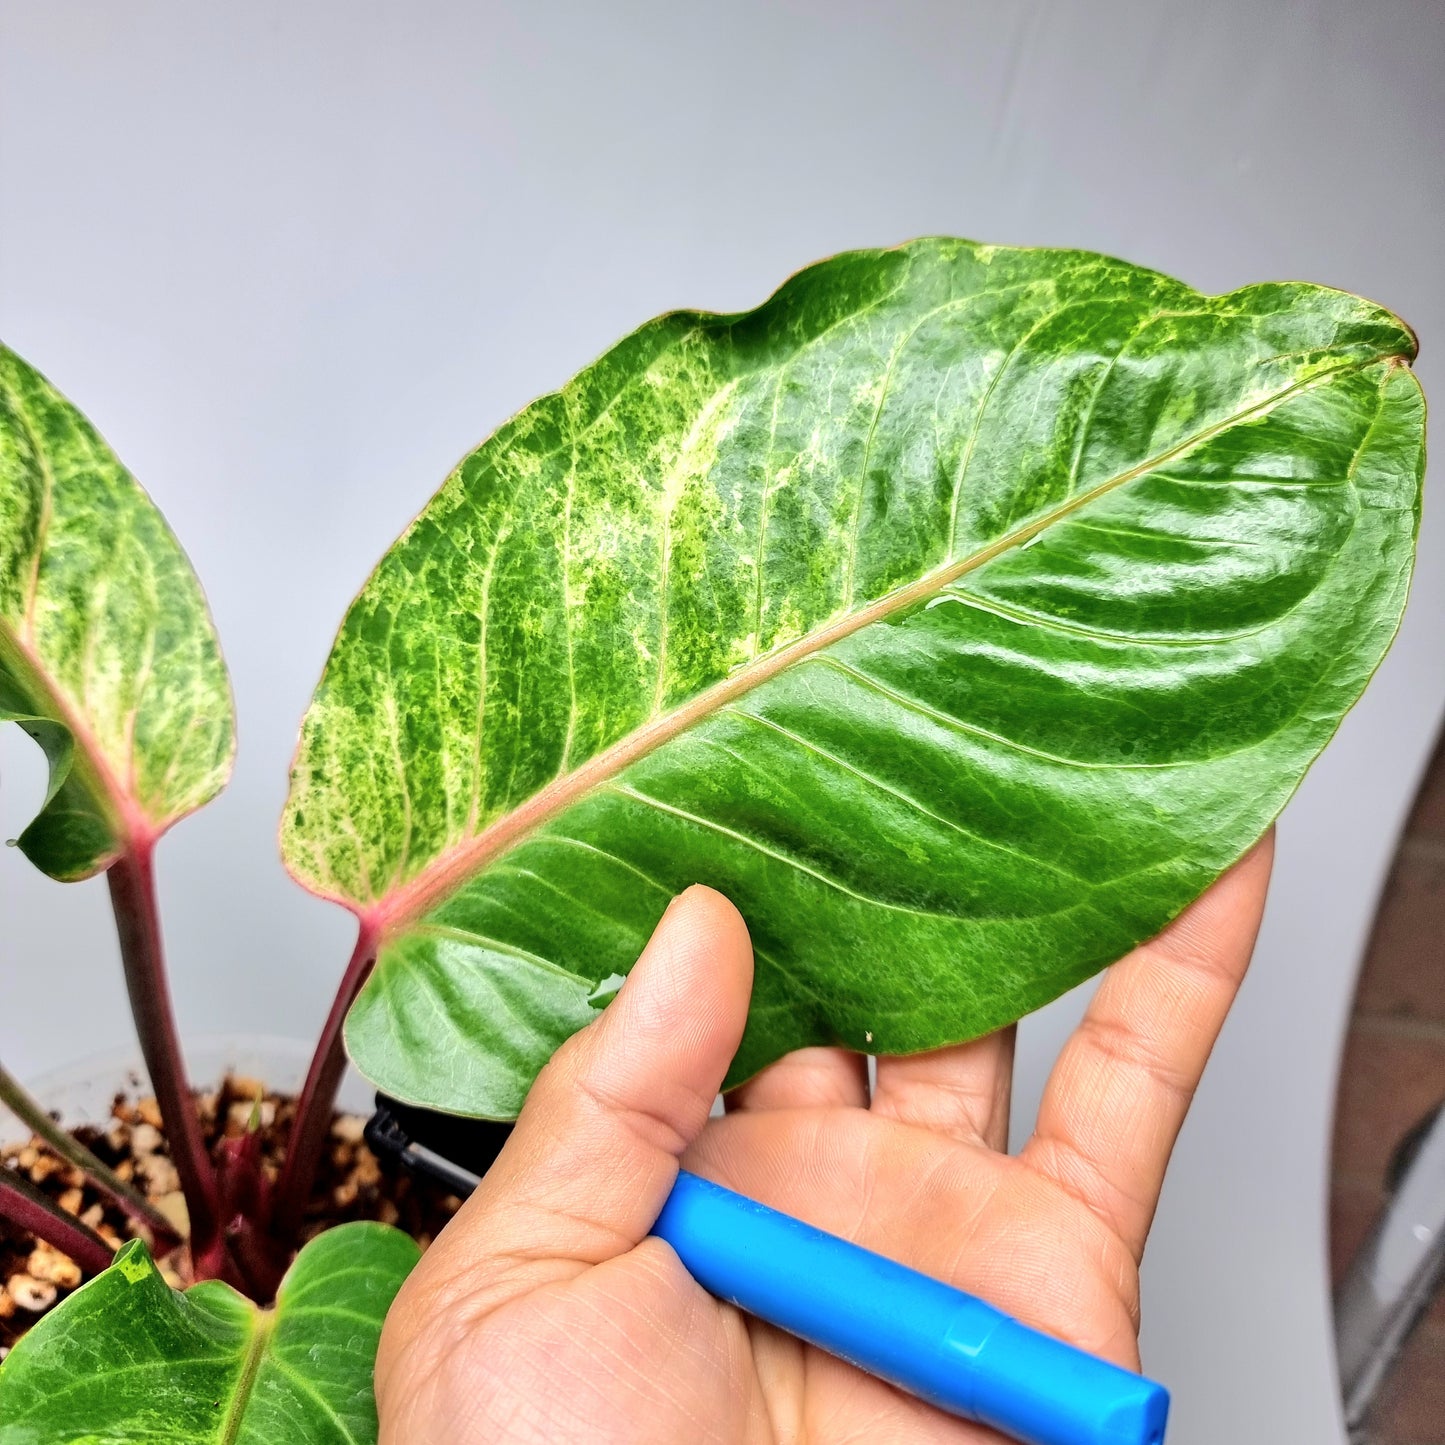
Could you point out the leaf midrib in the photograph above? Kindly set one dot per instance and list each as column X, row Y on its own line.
column 438, row 880
column 265, row 1323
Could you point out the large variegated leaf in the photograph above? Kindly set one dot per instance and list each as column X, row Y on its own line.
column 107, row 654
column 126, row 1360
column 962, row 612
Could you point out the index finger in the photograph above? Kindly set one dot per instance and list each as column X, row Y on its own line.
column 1119, row 1092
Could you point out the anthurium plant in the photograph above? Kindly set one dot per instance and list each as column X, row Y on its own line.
column 962, row 612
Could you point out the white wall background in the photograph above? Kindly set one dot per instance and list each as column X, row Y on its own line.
column 295, row 258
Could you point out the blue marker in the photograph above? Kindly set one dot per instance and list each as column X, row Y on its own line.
column 928, row 1338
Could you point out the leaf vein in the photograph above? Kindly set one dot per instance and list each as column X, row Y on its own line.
column 759, row 847
column 906, row 798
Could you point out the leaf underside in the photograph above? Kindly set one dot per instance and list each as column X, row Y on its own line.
column 108, row 657
column 128, row 1359
column 961, row 613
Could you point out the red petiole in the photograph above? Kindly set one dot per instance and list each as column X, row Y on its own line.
column 24, row 1205
column 318, row 1095
column 137, row 920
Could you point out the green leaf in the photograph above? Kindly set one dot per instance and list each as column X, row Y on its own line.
column 128, row 1359
column 108, row 657
column 961, row 613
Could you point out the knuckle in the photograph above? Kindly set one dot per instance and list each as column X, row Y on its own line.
column 1124, row 1046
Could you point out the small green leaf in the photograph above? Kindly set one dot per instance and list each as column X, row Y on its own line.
column 961, row 613
column 127, row 1359
column 108, row 657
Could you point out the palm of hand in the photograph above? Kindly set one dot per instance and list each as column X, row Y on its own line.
column 543, row 1314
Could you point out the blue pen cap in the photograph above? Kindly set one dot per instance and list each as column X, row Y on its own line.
column 1037, row 1388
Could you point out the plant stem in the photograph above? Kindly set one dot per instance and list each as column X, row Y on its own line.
column 245, row 1209
column 24, row 1205
column 137, row 921
column 14, row 1096
column 318, row 1097
column 258, row 1257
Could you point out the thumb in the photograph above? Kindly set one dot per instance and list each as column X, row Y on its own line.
column 595, row 1150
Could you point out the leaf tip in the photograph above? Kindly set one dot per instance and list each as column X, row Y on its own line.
column 134, row 1262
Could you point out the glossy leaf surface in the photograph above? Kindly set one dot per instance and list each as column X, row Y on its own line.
column 107, row 654
column 961, row 613
column 127, row 1359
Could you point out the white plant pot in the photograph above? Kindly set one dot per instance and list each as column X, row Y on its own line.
column 82, row 1093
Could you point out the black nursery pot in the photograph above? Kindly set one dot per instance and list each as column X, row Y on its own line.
column 442, row 1148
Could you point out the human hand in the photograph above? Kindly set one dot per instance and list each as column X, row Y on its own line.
column 545, row 1313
